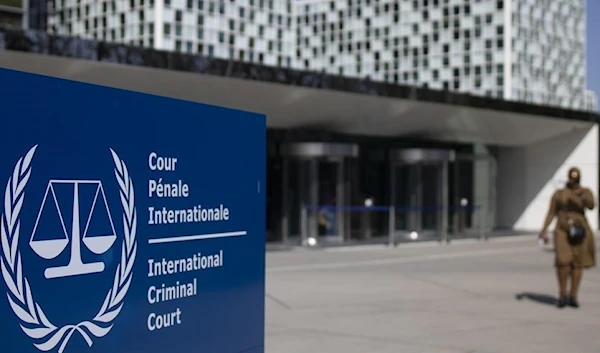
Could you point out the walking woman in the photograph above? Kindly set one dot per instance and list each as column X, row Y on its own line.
column 573, row 238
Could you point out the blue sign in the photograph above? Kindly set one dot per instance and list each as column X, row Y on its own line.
column 129, row 222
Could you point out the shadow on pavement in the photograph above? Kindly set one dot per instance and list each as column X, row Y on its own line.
column 538, row 298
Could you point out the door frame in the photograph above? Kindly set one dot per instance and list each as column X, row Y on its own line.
column 313, row 153
column 419, row 157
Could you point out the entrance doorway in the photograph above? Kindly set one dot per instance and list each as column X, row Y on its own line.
column 419, row 190
column 316, row 182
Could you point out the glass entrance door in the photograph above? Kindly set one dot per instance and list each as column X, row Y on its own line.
column 328, row 205
column 315, row 194
column 419, row 199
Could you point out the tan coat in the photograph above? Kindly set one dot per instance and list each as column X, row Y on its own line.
column 569, row 207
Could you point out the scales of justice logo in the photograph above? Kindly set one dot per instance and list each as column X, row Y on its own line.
column 91, row 227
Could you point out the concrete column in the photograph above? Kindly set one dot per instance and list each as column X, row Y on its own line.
column 529, row 175
column 482, row 184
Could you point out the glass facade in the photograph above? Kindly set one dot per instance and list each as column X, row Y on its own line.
column 524, row 50
column 373, row 196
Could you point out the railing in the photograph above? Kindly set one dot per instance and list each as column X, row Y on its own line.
column 391, row 224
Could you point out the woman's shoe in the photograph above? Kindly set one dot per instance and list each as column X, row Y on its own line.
column 562, row 302
column 573, row 303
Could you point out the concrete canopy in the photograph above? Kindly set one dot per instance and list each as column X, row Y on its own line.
column 411, row 114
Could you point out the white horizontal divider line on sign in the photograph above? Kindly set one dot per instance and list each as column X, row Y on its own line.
column 197, row 237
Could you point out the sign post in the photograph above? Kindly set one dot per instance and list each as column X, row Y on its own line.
column 129, row 222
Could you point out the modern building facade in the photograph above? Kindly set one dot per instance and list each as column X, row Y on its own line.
column 12, row 14
column 257, row 31
column 524, row 50
column 591, row 101
column 352, row 159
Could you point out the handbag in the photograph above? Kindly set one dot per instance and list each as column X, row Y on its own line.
column 576, row 234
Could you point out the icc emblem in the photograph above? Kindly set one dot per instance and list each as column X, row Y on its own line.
column 91, row 226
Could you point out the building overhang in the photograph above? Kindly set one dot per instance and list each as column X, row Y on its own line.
column 11, row 9
column 292, row 99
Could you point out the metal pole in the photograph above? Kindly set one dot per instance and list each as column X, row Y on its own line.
column 444, row 225
column 285, row 216
column 313, row 227
column 392, row 226
column 366, row 223
column 456, row 199
column 304, row 225
column 339, row 212
column 419, row 214
column 483, row 222
column 392, row 216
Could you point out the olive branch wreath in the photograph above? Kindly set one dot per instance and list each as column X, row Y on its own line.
column 34, row 322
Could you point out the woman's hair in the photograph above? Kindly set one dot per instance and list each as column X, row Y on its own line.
column 574, row 175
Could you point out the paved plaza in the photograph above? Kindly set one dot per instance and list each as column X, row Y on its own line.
column 426, row 298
